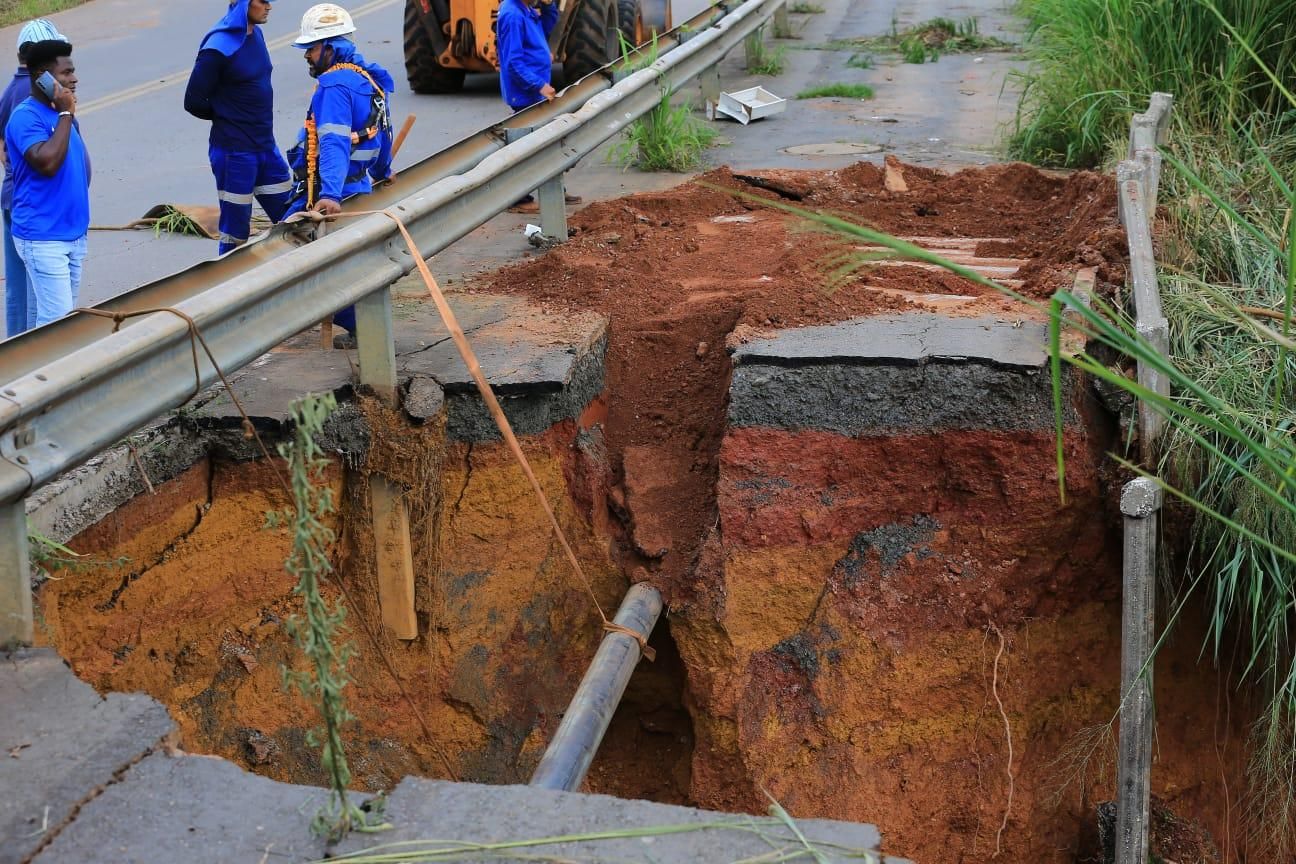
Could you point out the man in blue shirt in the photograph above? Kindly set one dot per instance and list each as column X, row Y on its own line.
column 346, row 142
column 230, row 86
column 522, row 45
column 20, row 301
column 51, row 203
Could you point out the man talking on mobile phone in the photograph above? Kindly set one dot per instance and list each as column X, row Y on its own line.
column 51, row 172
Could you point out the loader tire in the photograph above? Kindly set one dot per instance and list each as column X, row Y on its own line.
column 593, row 42
column 425, row 74
column 628, row 23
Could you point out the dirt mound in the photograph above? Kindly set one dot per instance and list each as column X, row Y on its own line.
column 676, row 272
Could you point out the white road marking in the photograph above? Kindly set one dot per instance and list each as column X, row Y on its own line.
column 183, row 75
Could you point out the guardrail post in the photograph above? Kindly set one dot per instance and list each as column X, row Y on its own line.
column 552, row 196
column 752, row 45
column 782, row 29
column 1140, row 503
column 395, row 561
column 15, row 575
column 710, row 81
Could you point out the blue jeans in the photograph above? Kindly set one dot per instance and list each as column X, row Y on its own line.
column 20, row 301
column 54, row 271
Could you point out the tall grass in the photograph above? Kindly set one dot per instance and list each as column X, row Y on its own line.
column 1096, row 61
column 1230, row 236
column 1227, row 277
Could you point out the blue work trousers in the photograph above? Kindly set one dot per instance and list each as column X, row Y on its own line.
column 20, row 299
column 240, row 177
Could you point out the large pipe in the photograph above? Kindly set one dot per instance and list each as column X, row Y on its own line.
column 572, row 749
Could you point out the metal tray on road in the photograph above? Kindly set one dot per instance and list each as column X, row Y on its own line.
column 750, row 104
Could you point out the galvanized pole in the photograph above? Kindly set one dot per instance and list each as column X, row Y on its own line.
column 782, row 29
column 752, row 46
column 710, row 81
column 572, row 749
column 552, row 196
column 15, row 575
column 1140, row 504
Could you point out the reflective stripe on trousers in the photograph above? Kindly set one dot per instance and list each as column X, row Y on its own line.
column 240, row 177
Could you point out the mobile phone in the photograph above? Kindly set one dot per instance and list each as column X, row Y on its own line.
column 46, row 84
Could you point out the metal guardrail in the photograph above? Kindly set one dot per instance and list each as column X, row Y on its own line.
column 71, row 389
column 1138, row 180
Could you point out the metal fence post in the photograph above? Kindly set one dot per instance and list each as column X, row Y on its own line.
column 552, row 195
column 1140, row 505
column 15, row 575
column 395, row 561
column 710, row 82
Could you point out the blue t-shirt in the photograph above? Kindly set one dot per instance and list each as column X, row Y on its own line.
column 235, row 94
column 46, row 208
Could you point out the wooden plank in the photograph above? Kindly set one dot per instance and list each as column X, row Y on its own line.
column 395, row 558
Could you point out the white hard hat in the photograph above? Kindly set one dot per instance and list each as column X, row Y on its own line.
column 39, row 30
column 323, row 22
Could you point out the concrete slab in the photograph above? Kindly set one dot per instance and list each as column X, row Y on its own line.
column 422, row 809
column 872, row 376
column 267, row 386
column 907, row 339
column 195, row 809
column 544, row 367
column 59, row 742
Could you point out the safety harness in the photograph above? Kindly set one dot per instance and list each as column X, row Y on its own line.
column 374, row 126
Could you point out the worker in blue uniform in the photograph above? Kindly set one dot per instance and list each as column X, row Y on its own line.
column 345, row 145
column 522, row 45
column 230, row 86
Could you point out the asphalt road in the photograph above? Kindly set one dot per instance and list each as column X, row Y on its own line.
column 133, row 61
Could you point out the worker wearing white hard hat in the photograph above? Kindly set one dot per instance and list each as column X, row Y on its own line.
column 324, row 21
column 345, row 144
column 20, row 299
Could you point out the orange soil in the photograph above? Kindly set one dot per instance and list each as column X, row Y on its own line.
column 864, row 698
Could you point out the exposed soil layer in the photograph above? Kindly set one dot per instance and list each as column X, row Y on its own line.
column 679, row 273
column 837, row 602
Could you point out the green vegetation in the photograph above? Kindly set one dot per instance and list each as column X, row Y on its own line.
column 841, row 91
column 174, row 221
column 860, row 61
column 925, row 42
column 1094, row 64
column 761, row 59
column 318, row 630
column 18, row 11
column 667, row 138
column 1228, row 253
column 805, row 8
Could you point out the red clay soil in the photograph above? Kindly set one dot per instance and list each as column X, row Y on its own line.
column 678, row 272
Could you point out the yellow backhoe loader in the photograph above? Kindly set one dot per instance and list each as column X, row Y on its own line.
column 446, row 39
